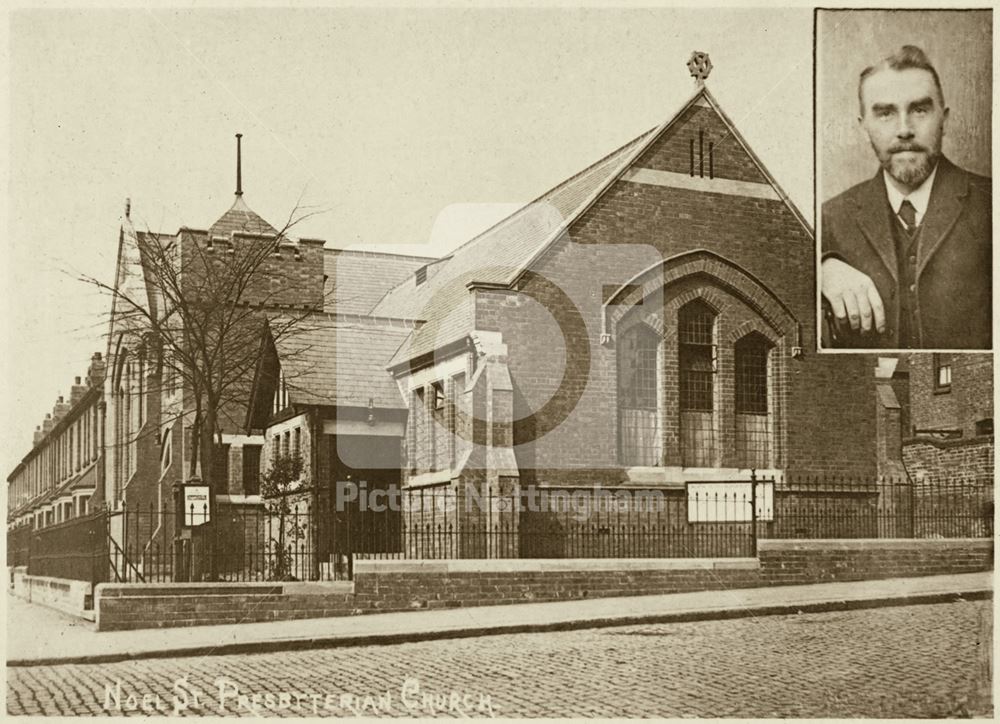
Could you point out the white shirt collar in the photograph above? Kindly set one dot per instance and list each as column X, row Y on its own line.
column 920, row 197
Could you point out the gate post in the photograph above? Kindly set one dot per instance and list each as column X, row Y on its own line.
column 753, row 511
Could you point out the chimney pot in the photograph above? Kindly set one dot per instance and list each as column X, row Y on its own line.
column 77, row 380
column 60, row 398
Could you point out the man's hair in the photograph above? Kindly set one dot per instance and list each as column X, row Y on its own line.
column 909, row 56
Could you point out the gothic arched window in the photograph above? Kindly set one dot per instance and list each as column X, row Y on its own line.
column 638, row 397
column 753, row 420
column 697, row 366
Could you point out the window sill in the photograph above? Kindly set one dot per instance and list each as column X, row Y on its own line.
column 437, row 477
column 678, row 477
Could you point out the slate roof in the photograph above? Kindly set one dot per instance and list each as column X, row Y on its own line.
column 357, row 280
column 337, row 360
column 240, row 218
column 495, row 256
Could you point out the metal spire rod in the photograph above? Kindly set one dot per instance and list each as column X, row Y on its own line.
column 239, row 169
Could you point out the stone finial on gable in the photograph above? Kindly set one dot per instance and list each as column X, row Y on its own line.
column 700, row 66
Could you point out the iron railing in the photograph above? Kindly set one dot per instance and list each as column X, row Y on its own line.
column 886, row 507
column 314, row 536
column 236, row 543
column 568, row 523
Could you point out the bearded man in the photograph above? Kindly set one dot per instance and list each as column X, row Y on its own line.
column 907, row 255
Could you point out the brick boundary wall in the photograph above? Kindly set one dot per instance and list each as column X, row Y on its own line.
column 385, row 586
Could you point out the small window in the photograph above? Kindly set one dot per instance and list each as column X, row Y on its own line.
column 421, row 275
column 251, row 469
column 280, row 394
column 438, row 388
column 942, row 372
column 985, row 427
column 297, row 442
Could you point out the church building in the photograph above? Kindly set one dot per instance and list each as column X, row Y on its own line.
column 649, row 323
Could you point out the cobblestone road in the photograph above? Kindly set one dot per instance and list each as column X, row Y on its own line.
column 916, row 661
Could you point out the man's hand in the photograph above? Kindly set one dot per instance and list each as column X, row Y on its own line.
column 852, row 296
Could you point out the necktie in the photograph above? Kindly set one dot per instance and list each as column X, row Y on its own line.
column 908, row 215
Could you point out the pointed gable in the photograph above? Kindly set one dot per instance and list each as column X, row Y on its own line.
column 700, row 143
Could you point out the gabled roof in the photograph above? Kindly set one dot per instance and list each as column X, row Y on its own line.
column 241, row 219
column 493, row 256
column 504, row 252
column 357, row 280
column 338, row 360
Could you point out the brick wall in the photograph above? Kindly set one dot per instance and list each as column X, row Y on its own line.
column 149, row 606
column 291, row 274
column 967, row 459
column 969, row 399
column 383, row 586
column 797, row 561
column 630, row 228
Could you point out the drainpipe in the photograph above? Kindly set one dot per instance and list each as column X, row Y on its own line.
column 314, row 445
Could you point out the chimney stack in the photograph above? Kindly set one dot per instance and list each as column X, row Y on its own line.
column 77, row 391
column 59, row 410
column 95, row 372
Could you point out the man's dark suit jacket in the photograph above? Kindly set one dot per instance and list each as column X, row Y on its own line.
column 953, row 266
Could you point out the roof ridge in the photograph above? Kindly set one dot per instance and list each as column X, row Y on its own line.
column 373, row 319
column 560, row 185
column 368, row 252
column 512, row 217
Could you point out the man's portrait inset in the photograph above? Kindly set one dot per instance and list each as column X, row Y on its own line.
column 906, row 232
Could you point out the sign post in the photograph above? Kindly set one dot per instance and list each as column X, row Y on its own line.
column 193, row 509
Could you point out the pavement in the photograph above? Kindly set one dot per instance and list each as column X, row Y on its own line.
column 898, row 662
column 69, row 640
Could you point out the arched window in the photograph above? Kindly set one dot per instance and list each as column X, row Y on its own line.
column 753, row 419
column 697, row 367
column 640, row 439
column 125, row 442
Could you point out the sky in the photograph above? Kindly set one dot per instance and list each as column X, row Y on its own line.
column 409, row 127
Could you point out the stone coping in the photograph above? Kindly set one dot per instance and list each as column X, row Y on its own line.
column 63, row 584
column 109, row 590
column 549, row 565
column 783, row 544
